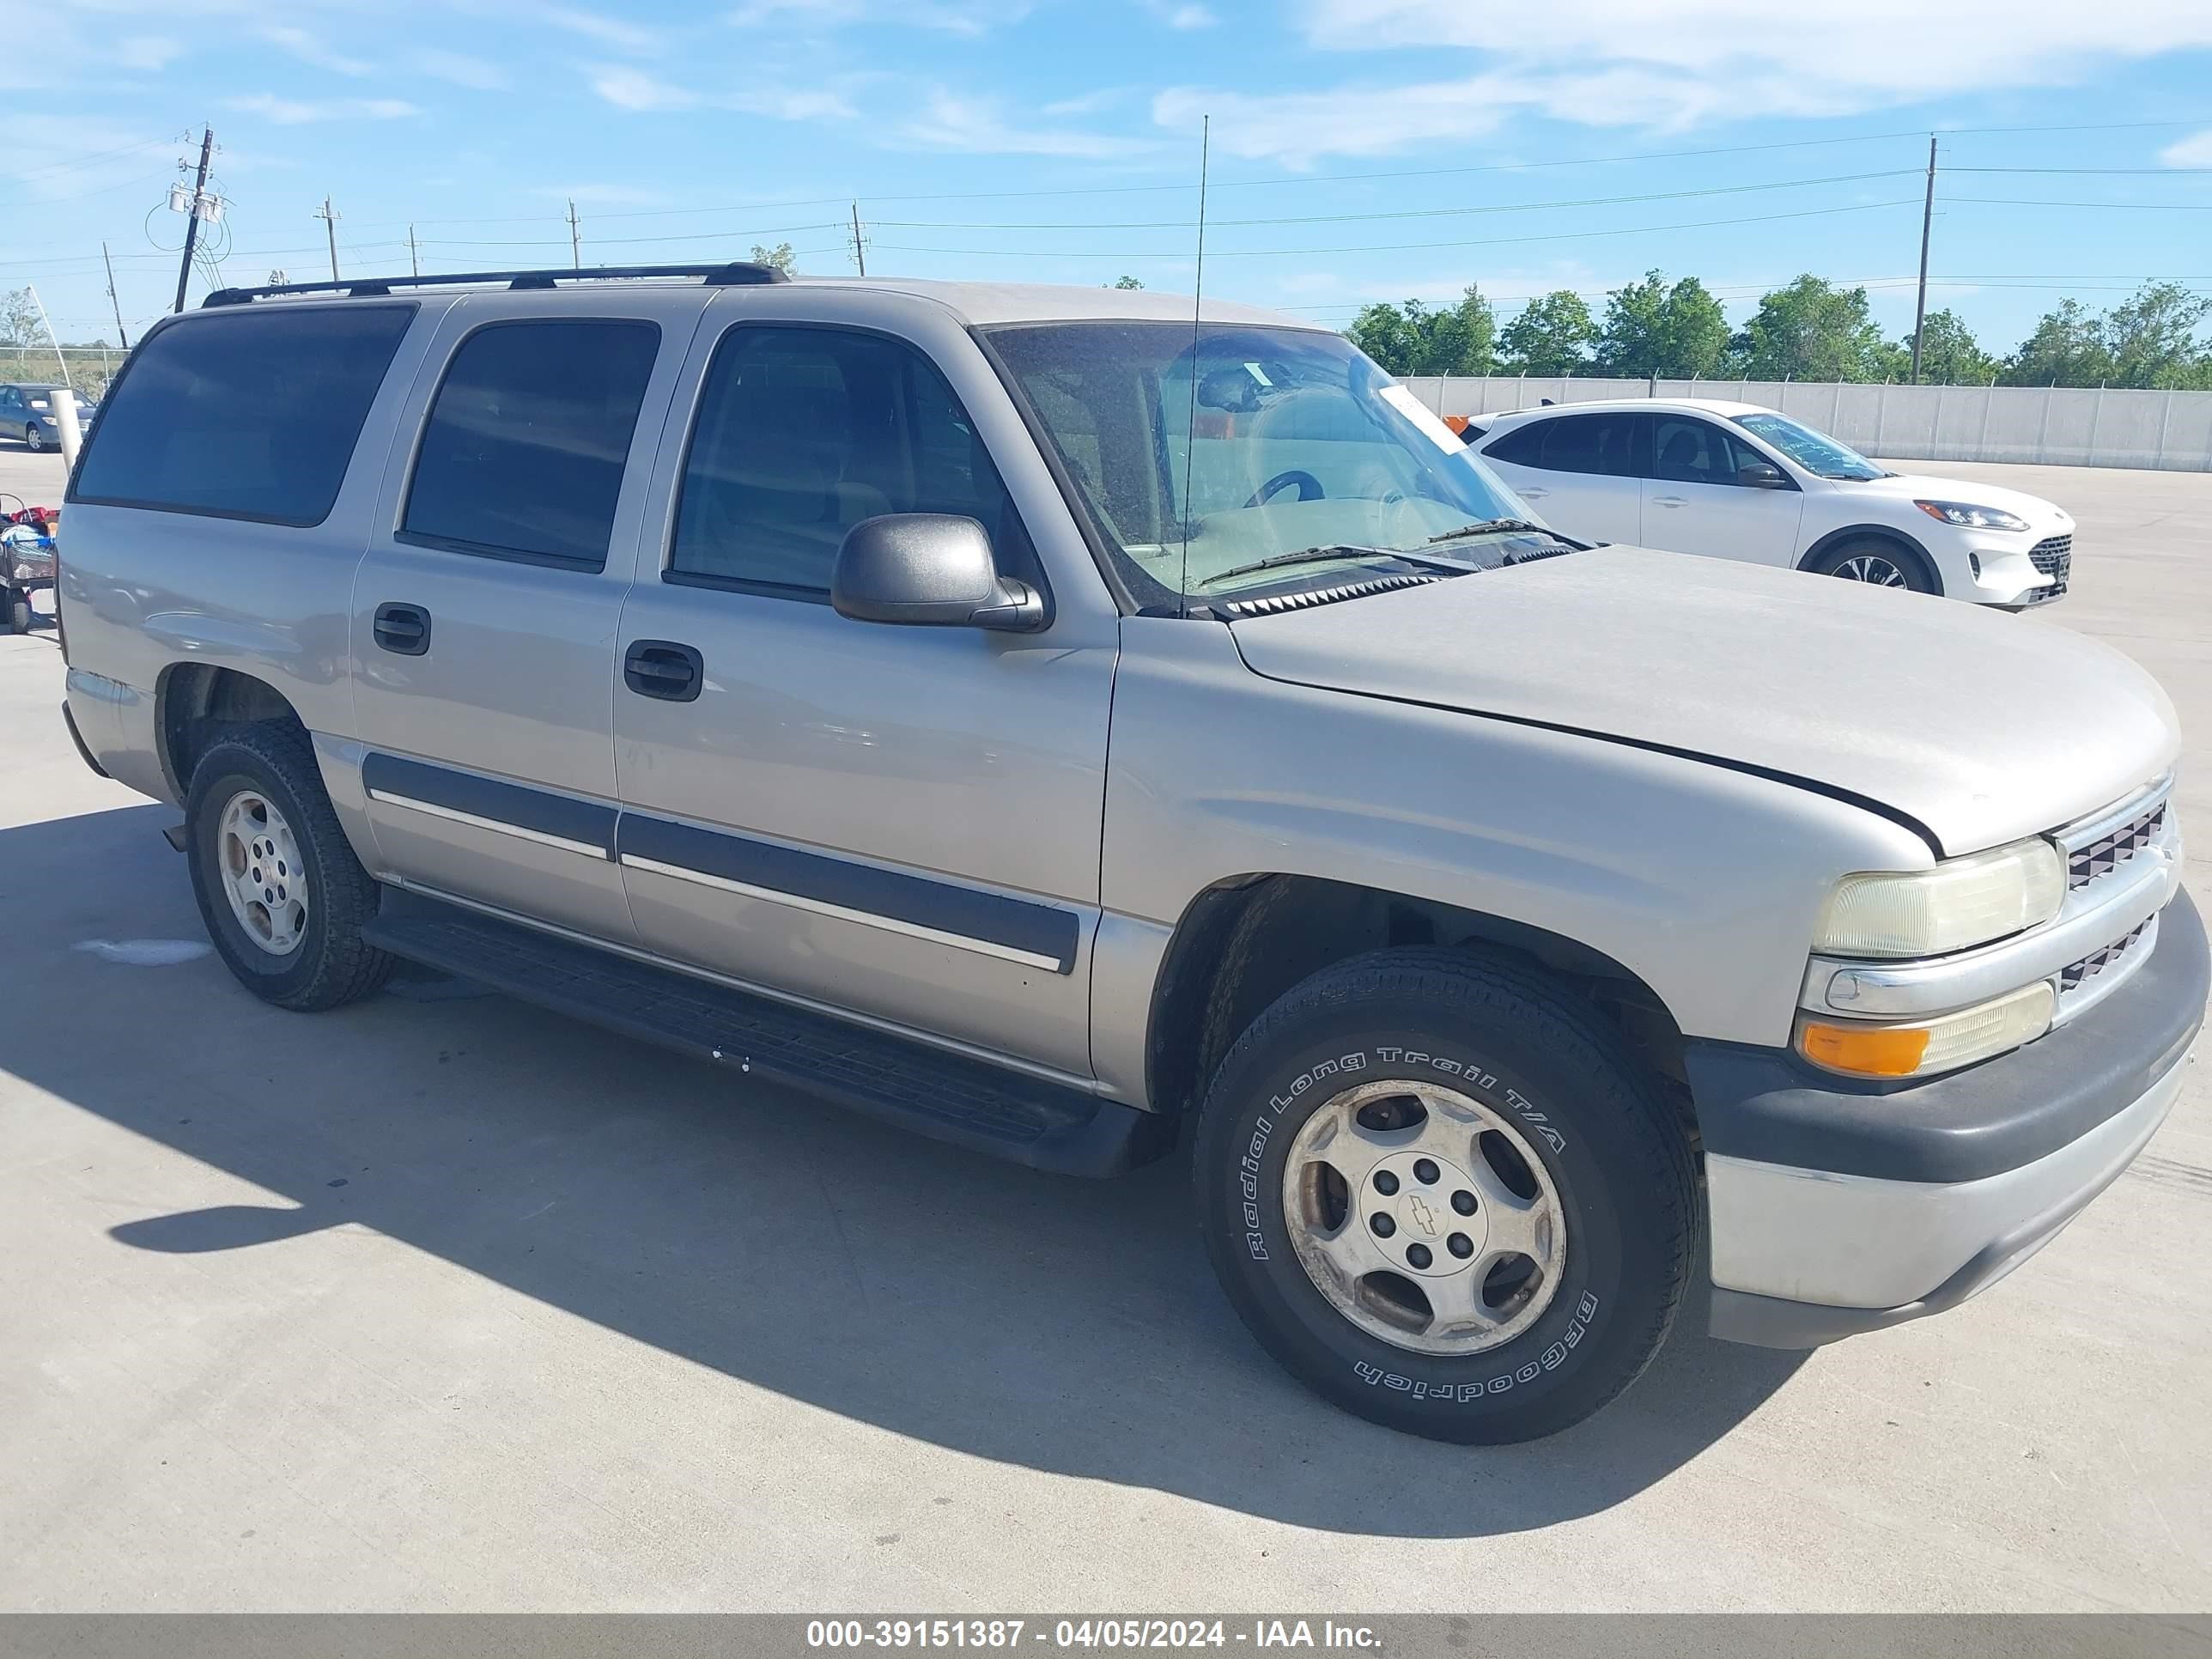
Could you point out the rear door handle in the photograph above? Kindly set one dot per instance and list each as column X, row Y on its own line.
column 405, row 629
column 1530, row 492
column 664, row 669
column 1670, row 501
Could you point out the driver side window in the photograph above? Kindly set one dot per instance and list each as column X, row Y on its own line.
column 1685, row 450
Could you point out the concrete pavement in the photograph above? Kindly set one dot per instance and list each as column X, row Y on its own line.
column 442, row 1302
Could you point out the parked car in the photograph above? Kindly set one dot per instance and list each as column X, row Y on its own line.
column 1695, row 475
column 1022, row 717
column 26, row 411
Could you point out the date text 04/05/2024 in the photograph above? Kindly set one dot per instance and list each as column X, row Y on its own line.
column 1090, row 1633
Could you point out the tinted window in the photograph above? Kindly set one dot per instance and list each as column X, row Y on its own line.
column 1685, row 451
column 524, row 451
column 1601, row 444
column 247, row 416
column 802, row 432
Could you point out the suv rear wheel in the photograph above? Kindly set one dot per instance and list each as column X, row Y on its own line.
column 283, row 897
column 1441, row 1194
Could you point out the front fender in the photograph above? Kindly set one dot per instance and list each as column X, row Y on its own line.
column 1704, row 881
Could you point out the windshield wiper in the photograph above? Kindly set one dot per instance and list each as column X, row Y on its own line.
column 1497, row 528
column 1334, row 551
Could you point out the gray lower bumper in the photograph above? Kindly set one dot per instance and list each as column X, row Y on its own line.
column 1805, row 1257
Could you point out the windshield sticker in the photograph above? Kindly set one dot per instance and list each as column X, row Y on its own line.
column 1423, row 417
column 1258, row 374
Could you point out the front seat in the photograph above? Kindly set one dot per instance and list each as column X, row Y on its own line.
column 1683, row 458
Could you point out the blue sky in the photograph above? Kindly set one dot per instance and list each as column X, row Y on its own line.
column 1361, row 148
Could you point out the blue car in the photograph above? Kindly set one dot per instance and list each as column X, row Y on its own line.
column 26, row 411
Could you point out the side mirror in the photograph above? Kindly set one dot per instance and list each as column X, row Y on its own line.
column 1762, row 475
column 930, row 569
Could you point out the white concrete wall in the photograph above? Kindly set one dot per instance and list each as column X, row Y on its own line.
column 2063, row 425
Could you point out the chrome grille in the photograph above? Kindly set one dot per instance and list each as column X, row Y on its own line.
column 2084, row 864
column 2053, row 557
column 2073, row 976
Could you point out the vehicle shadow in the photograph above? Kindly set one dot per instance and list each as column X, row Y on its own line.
column 1065, row 1325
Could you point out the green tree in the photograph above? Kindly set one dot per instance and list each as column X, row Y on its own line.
column 2152, row 339
column 1652, row 329
column 1949, row 356
column 1420, row 339
column 780, row 256
column 1815, row 331
column 2066, row 349
column 20, row 324
column 1552, row 336
column 1122, row 281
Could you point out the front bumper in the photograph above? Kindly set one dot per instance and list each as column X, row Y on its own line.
column 1838, row 1208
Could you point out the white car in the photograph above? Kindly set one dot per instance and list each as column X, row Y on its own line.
column 1734, row 481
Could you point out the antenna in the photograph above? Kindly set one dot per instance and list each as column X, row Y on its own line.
column 1197, row 314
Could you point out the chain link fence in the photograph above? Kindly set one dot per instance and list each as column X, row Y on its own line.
column 89, row 368
column 2059, row 426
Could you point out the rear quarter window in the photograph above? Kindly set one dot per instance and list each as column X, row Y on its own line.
column 247, row 416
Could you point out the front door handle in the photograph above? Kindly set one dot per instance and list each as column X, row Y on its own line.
column 405, row 629
column 1531, row 492
column 664, row 669
column 1670, row 501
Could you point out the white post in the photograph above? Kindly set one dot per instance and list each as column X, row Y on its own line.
column 2096, row 415
column 2165, row 420
column 64, row 404
column 2043, row 424
column 1982, row 444
column 1880, row 419
column 50, row 339
column 1935, row 426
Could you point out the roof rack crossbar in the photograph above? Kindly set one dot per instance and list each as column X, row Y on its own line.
column 739, row 273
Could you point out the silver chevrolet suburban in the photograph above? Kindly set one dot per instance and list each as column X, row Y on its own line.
column 1071, row 722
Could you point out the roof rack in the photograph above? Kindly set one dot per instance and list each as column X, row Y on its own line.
column 735, row 274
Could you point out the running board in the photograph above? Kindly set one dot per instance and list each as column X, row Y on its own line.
column 945, row 1096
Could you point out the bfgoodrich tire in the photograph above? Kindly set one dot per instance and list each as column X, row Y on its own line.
column 283, row 897
column 1441, row 1194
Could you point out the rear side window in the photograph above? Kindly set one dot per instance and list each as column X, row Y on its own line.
column 523, row 454
column 247, row 416
column 1601, row 444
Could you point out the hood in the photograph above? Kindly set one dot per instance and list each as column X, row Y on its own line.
column 1977, row 726
column 1919, row 486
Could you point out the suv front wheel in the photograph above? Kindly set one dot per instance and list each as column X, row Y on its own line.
column 1441, row 1193
column 283, row 897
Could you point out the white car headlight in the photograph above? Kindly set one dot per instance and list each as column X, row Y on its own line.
column 1968, row 516
column 1961, row 903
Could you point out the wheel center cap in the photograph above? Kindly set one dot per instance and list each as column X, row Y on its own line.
column 1422, row 1214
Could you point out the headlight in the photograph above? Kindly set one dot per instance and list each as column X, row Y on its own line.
column 1925, row 1046
column 1962, row 901
column 1967, row 516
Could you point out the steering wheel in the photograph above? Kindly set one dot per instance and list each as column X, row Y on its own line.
column 1309, row 487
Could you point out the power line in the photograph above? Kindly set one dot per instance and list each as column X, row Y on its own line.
column 2039, row 201
column 1395, row 247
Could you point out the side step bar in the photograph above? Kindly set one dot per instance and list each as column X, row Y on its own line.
column 946, row 1096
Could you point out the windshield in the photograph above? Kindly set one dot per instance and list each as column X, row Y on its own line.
column 1284, row 442
column 1816, row 452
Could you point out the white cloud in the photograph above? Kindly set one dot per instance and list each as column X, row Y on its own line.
column 461, row 69
column 613, row 32
column 978, row 125
column 293, row 113
column 967, row 17
column 1752, row 57
column 311, row 49
column 2194, row 151
column 148, row 52
column 1178, row 15
column 633, row 90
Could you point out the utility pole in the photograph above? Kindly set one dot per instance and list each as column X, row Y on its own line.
column 414, row 265
column 111, row 300
column 330, row 223
column 576, row 239
column 859, row 248
column 193, row 217
column 1926, row 222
